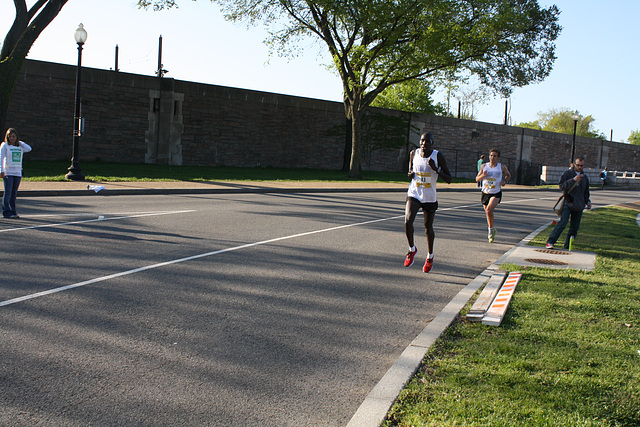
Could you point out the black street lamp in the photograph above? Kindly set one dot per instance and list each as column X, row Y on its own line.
column 575, row 118
column 75, row 173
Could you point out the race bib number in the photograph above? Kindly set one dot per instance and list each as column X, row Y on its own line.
column 423, row 179
column 491, row 183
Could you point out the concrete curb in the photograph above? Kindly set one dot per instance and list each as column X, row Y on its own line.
column 373, row 410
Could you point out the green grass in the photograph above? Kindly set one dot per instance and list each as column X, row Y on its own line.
column 110, row 172
column 566, row 354
column 98, row 171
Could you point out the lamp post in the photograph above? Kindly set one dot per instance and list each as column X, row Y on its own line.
column 575, row 118
column 75, row 173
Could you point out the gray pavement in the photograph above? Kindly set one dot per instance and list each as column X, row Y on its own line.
column 525, row 256
column 82, row 188
column 375, row 406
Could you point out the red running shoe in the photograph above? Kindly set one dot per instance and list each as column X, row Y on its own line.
column 428, row 264
column 408, row 261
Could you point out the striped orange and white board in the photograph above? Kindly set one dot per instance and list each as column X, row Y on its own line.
column 498, row 308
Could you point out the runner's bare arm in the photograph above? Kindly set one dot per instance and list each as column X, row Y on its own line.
column 411, row 164
column 443, row 170
column 481, row 173
column 506, row 176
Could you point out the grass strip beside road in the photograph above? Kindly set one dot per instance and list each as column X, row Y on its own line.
column 36, row 170
column 567, row 352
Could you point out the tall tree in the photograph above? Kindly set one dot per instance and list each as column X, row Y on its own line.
column 378, row 43
column 27, row 27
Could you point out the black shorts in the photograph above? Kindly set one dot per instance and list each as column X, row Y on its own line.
column 426, row 207
column 486, row 198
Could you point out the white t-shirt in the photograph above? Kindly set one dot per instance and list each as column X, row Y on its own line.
column 11, row 158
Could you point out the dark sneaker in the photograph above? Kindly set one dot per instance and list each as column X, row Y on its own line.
column 408, row 261
column 428, row 264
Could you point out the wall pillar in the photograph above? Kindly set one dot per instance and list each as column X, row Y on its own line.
column 164, row 136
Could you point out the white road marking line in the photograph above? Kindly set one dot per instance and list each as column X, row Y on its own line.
column 177, row 261
column 87, row 214
column 100, row 218
column 207, row 254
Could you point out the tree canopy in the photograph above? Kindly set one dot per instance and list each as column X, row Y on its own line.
column 634, row 137
column 413, row 96
column 27, row 27
column 376, row 44
column 562, row 121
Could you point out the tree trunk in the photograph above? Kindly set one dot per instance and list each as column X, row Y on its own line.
column 348, row 141
column 9, row 71
column 26, row 28
column 356, row 150
column 354, row 112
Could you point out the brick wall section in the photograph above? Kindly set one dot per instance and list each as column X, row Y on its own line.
column 223, row 126
column 114, row 105
column 226, row 126
column 235, row 127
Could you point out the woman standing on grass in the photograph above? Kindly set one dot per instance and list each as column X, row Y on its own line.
column 11, row 152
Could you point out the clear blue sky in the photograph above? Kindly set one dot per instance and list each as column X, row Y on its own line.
column 595, row 73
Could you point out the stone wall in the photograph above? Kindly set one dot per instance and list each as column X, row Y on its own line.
column 216, row 125
column 135, row 119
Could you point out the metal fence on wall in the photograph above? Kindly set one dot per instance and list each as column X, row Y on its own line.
column 464, row 164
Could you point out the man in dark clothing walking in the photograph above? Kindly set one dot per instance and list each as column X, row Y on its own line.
column 575, row 185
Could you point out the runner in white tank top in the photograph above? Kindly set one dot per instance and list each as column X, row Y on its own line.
column 423, row 183
column 493, row 176
column 425, row 166
column 492, row 182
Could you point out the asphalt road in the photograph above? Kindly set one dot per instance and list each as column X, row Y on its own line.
column 227, row 310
